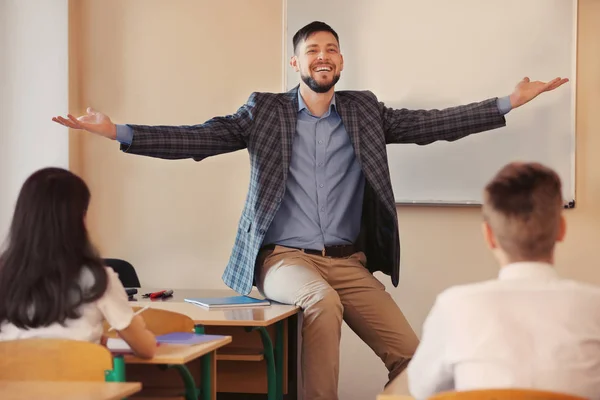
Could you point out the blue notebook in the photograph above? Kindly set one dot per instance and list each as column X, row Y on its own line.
column 212, row 303
column 119, row 346
column 186, row 338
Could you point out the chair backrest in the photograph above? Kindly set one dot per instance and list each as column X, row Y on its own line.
column 126, row 272
column 504, row 394
column 53, row 360
column 160, row 322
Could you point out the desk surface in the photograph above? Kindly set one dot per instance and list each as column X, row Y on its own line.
column 18, row 390
column 243, row 316
column 179, row 354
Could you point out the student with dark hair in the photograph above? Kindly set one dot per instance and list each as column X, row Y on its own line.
column 320, row 216
column 52, row 281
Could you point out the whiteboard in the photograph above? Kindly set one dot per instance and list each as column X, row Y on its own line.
column 430, row 54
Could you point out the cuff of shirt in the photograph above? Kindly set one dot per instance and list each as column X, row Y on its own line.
column 503, row 104
column 124, row 134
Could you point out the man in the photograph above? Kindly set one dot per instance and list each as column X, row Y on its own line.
column 320, row 202
column 528, row 329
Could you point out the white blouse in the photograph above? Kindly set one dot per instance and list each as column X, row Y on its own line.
column 113, row 307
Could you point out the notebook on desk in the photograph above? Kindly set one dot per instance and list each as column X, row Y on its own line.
column 212, row 303
column 118, row 345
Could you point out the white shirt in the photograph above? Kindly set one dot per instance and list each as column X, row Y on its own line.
column 113, row 307
column 528, row 329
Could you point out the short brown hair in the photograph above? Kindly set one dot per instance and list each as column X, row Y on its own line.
column 306, row 31
column 523, row 205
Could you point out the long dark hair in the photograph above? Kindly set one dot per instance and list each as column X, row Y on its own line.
column 48, row 248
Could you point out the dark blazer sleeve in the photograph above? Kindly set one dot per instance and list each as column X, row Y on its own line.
column 218, row 135
column 449, row 124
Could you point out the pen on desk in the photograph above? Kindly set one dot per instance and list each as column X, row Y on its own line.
column 141, row 310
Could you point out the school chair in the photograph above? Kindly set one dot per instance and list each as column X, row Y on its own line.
column 54, row 360
column 504, row 394
column 159, row 322
column 125, row 270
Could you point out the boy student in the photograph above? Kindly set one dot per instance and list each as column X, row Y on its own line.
column 53, row 283
column 529, row 328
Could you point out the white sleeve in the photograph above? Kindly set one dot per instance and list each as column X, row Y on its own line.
column 114, row 305
column 428, row 372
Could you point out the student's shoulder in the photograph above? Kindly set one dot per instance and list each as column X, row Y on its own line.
column 584, row 288
column 467, row 292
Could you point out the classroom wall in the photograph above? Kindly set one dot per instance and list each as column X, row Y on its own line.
column 155, row 62
column 33, row 87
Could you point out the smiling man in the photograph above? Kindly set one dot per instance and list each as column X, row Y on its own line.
column 320, row 216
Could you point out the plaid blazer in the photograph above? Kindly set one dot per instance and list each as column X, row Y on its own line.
column 266, row 125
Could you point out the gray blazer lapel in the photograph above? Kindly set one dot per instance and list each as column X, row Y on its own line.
column 288, row 116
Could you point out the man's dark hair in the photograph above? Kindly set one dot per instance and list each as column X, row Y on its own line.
column 314, row 27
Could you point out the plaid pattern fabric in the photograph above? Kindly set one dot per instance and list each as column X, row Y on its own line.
column 266, row 125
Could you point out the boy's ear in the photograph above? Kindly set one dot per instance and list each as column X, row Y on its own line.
column 488, row 236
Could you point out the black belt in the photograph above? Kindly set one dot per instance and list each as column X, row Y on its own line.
column 337, row 251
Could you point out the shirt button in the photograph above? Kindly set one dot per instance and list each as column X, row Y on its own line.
column 322, row 209
column 320, row 164
column 320, row 142
column 321, row 185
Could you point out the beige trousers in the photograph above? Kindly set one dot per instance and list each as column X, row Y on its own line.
column 330, row 290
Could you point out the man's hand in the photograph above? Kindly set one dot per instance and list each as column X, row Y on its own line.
column 526, row 90
column 93, row 121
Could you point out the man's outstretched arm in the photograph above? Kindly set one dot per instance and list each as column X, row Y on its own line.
column 449, row 124
column 218, row 135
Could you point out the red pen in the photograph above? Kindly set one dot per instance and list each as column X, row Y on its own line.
column 157, row 294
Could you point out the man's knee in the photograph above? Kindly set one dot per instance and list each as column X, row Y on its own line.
column 320, row 298
column 399, row 362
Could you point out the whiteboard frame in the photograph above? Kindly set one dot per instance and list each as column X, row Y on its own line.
column 568, row 203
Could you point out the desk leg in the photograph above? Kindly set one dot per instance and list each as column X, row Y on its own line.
column 271, row 367
column 279, row 327
column 191, row 392
column 209, row 374
column 209, row 371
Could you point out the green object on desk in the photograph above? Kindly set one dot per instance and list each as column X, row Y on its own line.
column 118, row 372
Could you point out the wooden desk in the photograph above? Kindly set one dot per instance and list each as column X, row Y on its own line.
column 225, row 321
column 21, row 390
column 177, row 356
column 246, row 316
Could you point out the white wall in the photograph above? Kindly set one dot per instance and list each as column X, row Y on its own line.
column 33, row 88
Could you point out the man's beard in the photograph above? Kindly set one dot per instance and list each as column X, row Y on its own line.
column 318, row 88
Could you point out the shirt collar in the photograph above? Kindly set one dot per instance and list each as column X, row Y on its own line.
column 302, row 104
column 528, row 270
